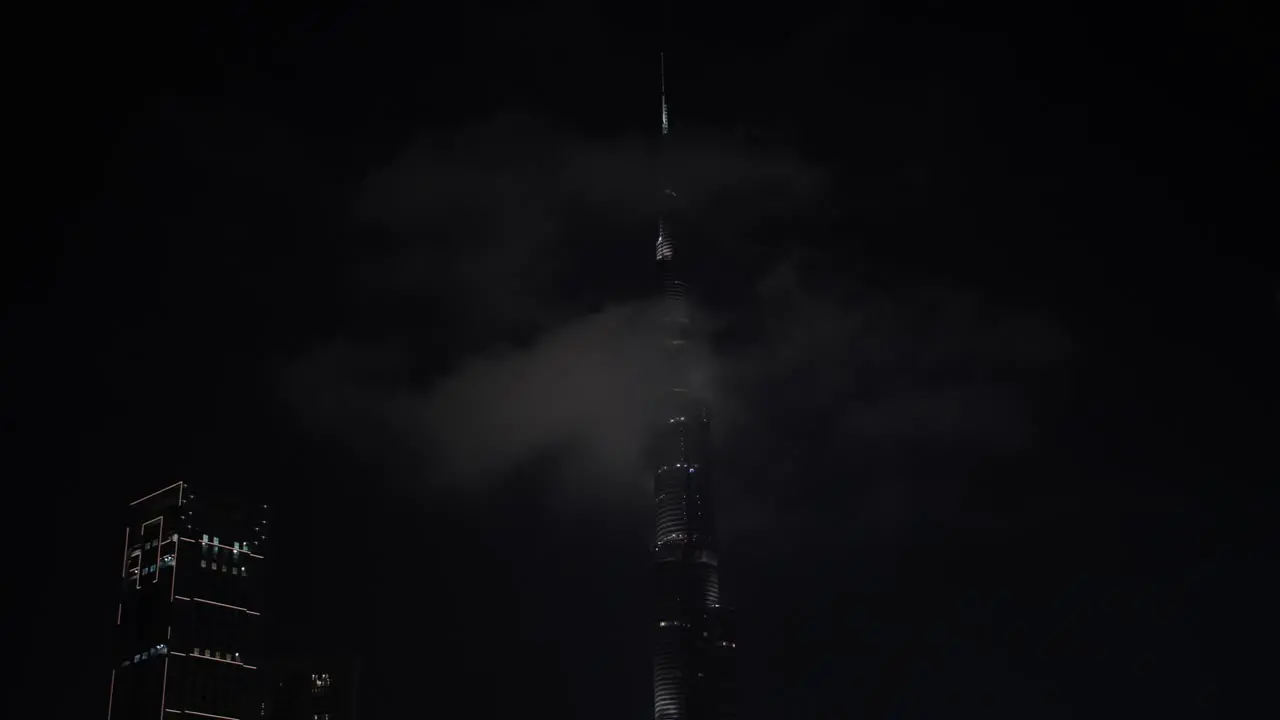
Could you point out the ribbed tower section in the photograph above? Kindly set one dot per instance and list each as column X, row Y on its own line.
column 693, row 635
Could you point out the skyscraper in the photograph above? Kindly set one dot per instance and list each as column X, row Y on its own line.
column 693, row 635
column 189, row 619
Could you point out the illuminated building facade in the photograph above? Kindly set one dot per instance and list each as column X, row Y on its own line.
column 693, row 643
column 326, row 688
column 189, row 626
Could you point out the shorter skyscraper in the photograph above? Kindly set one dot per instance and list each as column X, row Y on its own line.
column 316, row 688
column 189, row 620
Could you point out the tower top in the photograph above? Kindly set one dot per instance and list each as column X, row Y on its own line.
column 662, row 67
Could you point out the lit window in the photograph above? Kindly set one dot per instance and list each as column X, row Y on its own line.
column 215, row 566
column 195, row 651
column 235, row 571
column 243, row 572
column 218, row 655
column 205, row 538
column 204, row 563
column 215, row 540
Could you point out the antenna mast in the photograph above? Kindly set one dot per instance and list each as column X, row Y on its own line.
column 662, row 64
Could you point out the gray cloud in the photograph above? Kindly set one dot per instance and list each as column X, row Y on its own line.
column 871, row 370
column 582, row 393
column 586, row 388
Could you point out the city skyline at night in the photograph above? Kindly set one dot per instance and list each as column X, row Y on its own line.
column 982, row 328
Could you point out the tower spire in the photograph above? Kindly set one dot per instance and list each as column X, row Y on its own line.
column 662, row 65
column 693, row 637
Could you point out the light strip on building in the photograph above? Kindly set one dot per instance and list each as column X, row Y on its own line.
column 124, row 567
column 137, row 585
column 119, row 609
column 229, row 662
column 220, row 717
column 157, row 573
column 210, row 602
column 135, row 502
column 173, row 574
column 164, row 684
column 111, row 694
column 224, row 547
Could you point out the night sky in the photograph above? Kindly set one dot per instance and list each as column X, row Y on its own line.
column 993, row 332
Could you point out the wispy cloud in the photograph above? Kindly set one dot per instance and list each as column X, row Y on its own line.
column 824, row 384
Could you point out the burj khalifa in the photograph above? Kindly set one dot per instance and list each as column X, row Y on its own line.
column 693, row 633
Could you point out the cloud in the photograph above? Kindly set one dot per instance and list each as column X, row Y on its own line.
column 482, row 232
column 582, row 395
column 587, row 388
column 833, row 389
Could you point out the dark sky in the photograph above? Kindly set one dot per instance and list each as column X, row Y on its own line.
column 993, row 337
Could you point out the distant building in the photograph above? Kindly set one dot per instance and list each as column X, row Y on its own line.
column 189, row 623
column 323, row 688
